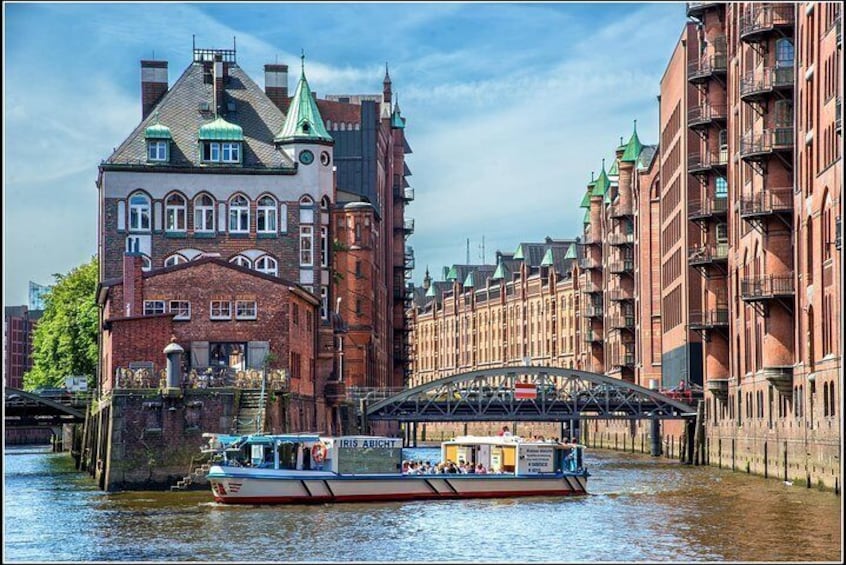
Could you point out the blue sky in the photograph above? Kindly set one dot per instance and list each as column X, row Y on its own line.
column 509, row 107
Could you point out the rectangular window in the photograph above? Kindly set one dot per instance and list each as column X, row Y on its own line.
column 295, row 314
column 221, row 310
column 324, row 246
column 324, row 302
column 245, row 309
column 182, row 309
column 231, row 152
column 157, row 150
column 211, row 152
column 306, row 246
column 152, row 307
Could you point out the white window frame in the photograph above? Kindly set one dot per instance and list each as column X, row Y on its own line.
column 306, row 246
column 266, row 215
column 182, row 308
column 306, row 210
column 153, row 307
column 220, row 310
column 324, row 302
column 157, row 150
column 239, row 215
column 324, row 246
column 200, row 217
column 175, row 259
column 230, row 152
column 242, row 261
column 267, row 265
column 146, row 262
column 210, row 152
column 249, row 313
column 139, row 213
column 176, row 213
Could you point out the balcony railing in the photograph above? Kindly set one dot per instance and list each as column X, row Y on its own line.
column 408, row 194
column 592, row 311
column 700, row 209
column 623, row 266
column 705, row 114
column 707, row 254
column 704, row 162
column 592, row 336
column 620, row 210
column 767, row 202
column 620, row 238
column 202, row 377
column 591, row 239
column 767, row 287
column 756, row 84
column 408, row 226
column 620, row 294
column 591, row 287
column 588, row 264
column 762, row 20
column 709, row 319
column 761, row 144
column 625, row 359
column 707, row 66
column 622, row 322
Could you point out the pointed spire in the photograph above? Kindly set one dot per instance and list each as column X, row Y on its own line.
column 386, row 86
column 303, row 121
column 302, row 63
column 602, row 182
column 387, row 75
column 633, row 147
column 427, row 280
column 469, row 282
column 501, row 271
column 547, row 260
column 571, row 252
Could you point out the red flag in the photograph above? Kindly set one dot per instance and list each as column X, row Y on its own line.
column 525, row 391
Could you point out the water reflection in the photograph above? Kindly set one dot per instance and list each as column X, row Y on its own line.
column 640, row 509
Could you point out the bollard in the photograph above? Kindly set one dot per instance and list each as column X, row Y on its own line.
column 174, row 352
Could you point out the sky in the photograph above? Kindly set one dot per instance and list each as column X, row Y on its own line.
column 509, row 106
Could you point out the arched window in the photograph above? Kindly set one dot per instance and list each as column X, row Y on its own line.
column 241, row 261
column 306, row 210
column 266, row 215
column 146, row 263
column 139, row 212
column 175, row 259
column 721, row 187
column 175, row 213
column 239, row 214
column 267, row 265
column 784, row 53
column 204, row 213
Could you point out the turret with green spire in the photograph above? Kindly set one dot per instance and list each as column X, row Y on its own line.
column 633, row 148
column 602, row 182
column 303, row 122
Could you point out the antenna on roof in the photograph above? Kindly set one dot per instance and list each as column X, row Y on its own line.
column 193, row 42
column 154, row 54
column 233, row 43
column 302, row 61
column 482, row 247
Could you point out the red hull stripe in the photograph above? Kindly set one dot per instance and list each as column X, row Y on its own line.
column 386, row 497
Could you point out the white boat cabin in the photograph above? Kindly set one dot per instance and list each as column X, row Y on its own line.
column 511, row 454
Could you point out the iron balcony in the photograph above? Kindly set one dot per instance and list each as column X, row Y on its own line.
column 756, row 86
column 623, row 266
column 588, row 264
column 708, row 208
column 708, row 254
column 764, row 20
column 619, row 210
column 706, row 114
column 592, row 311
column 698, row 163
column 620, row 239
column 591, row 240
column 758, row 146
column 767, row 202
column 767, row 287
column 623, row 360
column 591, row 288
column 620, row 294
column 708, row 66
column 622, row 322
column 592, row 336
column 709, row 319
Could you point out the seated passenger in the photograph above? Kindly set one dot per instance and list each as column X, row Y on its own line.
column 480, row 469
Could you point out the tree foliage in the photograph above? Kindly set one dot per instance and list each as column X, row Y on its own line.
column 65, row 339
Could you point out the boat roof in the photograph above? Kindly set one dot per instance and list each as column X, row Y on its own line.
column 226, row 439
column 504, row 440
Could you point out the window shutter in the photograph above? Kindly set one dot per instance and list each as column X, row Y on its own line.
column 256, row 353
column 199, row 354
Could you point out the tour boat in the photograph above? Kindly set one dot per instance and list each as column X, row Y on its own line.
column 309, row 468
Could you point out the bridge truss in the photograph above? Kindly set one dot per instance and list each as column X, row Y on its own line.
column 27, row 409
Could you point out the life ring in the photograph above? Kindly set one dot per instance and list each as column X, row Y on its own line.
column 318, row 452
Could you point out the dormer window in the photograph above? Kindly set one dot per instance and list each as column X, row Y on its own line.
column 221, row 152
column 220, row 142
column 157, row 150
column 158, row 139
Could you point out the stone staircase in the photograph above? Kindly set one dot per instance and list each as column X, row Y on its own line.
column 250, row 419
column 195, row 480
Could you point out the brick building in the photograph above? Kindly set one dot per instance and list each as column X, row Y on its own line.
column 19, row 324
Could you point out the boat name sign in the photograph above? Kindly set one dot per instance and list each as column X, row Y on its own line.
column 368, row 442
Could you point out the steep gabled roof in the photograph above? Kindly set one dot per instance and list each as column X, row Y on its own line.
column 633, row 147
column 303, row 122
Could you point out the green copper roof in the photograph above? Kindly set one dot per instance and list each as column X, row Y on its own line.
column 499, row 274
column 587, row 217
column 468, row 282
column 614, row 170
column 585, row 201
column 452, row 274
column 397, row 121
column 547, row 260
column 607, row 199
column 303, row 122
column 220, row 130
column 431, row 292
column 571, row 253
column 519, row 253
column 633, row 148
column 602, row 182
column 157, row 131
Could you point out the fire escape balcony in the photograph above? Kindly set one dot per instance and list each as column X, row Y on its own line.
column 768, row 202
column 620, row 210
column 622, row 266
column 622, row 322
column 698, row 163
column 765, row 20
column 591, row 240
column 620, row 239
column 756, row 86
column 708, row 255
column 698, row 210
column 767, row 287
column 624, row 359
column 592, row 311
column 838, row 116
column 759, row 146
column 407, row 226
column 709, row 319
column 591, row 288
column 706, row 67
column 700, row 117
column 592, row 336
column 620, row 294
column 696, row 9
column 586, row 264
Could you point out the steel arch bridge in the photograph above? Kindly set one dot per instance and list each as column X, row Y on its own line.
column 27, row 409
column 559, row 395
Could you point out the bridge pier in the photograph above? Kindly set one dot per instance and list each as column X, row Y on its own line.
column 655, row 434
column 56, row 440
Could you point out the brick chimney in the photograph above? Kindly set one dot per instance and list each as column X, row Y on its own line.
column 276, row 85
column 133, row 284
column 153, row 85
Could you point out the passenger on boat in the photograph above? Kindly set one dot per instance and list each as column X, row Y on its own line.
column 504, row 432
column 480, row 469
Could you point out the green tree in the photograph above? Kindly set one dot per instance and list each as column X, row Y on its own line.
column 65, row 340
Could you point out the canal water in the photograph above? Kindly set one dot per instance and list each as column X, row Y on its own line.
column 639, row 509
